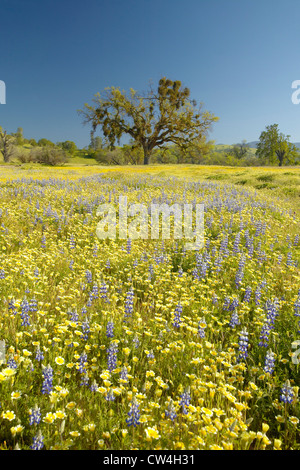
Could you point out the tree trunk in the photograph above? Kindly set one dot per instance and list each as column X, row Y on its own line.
column 280, row 156
column 146, row 156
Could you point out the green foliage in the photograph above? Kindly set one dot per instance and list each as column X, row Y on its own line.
column 19, row 139
column 48, row 156
column 96, row 143
column 32, row 142
column 110, row 157
column 240, row 150
column 274, row 146
column 68, row 146
column 162, row 117
column 7, row 145
column 45, row 143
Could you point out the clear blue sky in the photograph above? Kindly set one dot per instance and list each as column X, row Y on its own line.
column 239, row 57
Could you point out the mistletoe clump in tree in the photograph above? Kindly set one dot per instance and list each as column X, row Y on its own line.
column 160, row 117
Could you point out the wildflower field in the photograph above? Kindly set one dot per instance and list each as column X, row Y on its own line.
column 142, row 344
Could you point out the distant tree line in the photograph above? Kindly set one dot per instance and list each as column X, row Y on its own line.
column 163, row 126
column 16, row 147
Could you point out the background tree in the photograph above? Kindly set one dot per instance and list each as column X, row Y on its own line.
column 240, row 150
column 19, row 139
column 197, row 151
column 32, row 142
column 274, row 146
column 48, row 155
column 45, row 143
column 133, row 154
column 7, row 145
column 110, row 157
column 96, row 143
column 68, row 146
column 162, row 117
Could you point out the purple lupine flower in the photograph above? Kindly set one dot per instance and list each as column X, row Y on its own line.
column 136, row 341
column 289, row 261
column 226, row 303
column 124, row 374
column 35, row 415
column 128, row 246
column 72, row 242
column 37, row 443
column 269, row 362
column 11, row 306
column 185, row 400
column 112, row 356
column 95, row 291
column 272, row 311
column 39, row 355
column 48, row 378
column 103, row 292
column 134, row 413
column 287, row 393
column 24, row 312
column 243, row 345
column 94, row 386
column 201, row 328
column 85, row 326
column 170, row 412
column 257, row 295
column 150, row 354
column 129, row 304
column 110, row 329
column 84, row 379
column 88, row 276
column 247, row 295
column 234, row 320
column 177, row 316
column 12, row 363
column 110, row 396
column 82, row 363
column 33, row 305
column 234, row 304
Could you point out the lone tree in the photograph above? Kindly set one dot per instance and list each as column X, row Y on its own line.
column 240, row 150
column 274, row 146
column 7, row 145
column 157, row 119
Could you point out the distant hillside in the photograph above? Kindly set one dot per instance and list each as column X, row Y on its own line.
column 253, row 145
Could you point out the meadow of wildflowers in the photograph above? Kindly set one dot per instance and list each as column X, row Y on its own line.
column 142, row 344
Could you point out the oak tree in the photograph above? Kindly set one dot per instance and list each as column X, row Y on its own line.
column 158, row 118
column 7, row 145
column 275, row 146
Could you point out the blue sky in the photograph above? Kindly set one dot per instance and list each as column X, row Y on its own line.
column 239, row 57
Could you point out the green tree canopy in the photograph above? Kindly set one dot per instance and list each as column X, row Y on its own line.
column 161, row 117
column 275, row 147
column 7, row 145
column 45, row 143
column 68, row 146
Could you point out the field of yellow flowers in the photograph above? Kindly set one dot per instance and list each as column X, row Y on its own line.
column 141, row 344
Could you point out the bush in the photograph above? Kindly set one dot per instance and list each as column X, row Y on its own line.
column 25, row 157
column 48, row 156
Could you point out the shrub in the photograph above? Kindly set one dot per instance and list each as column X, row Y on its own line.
column 48, row 156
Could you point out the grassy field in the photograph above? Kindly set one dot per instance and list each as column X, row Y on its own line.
column 142, row 344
